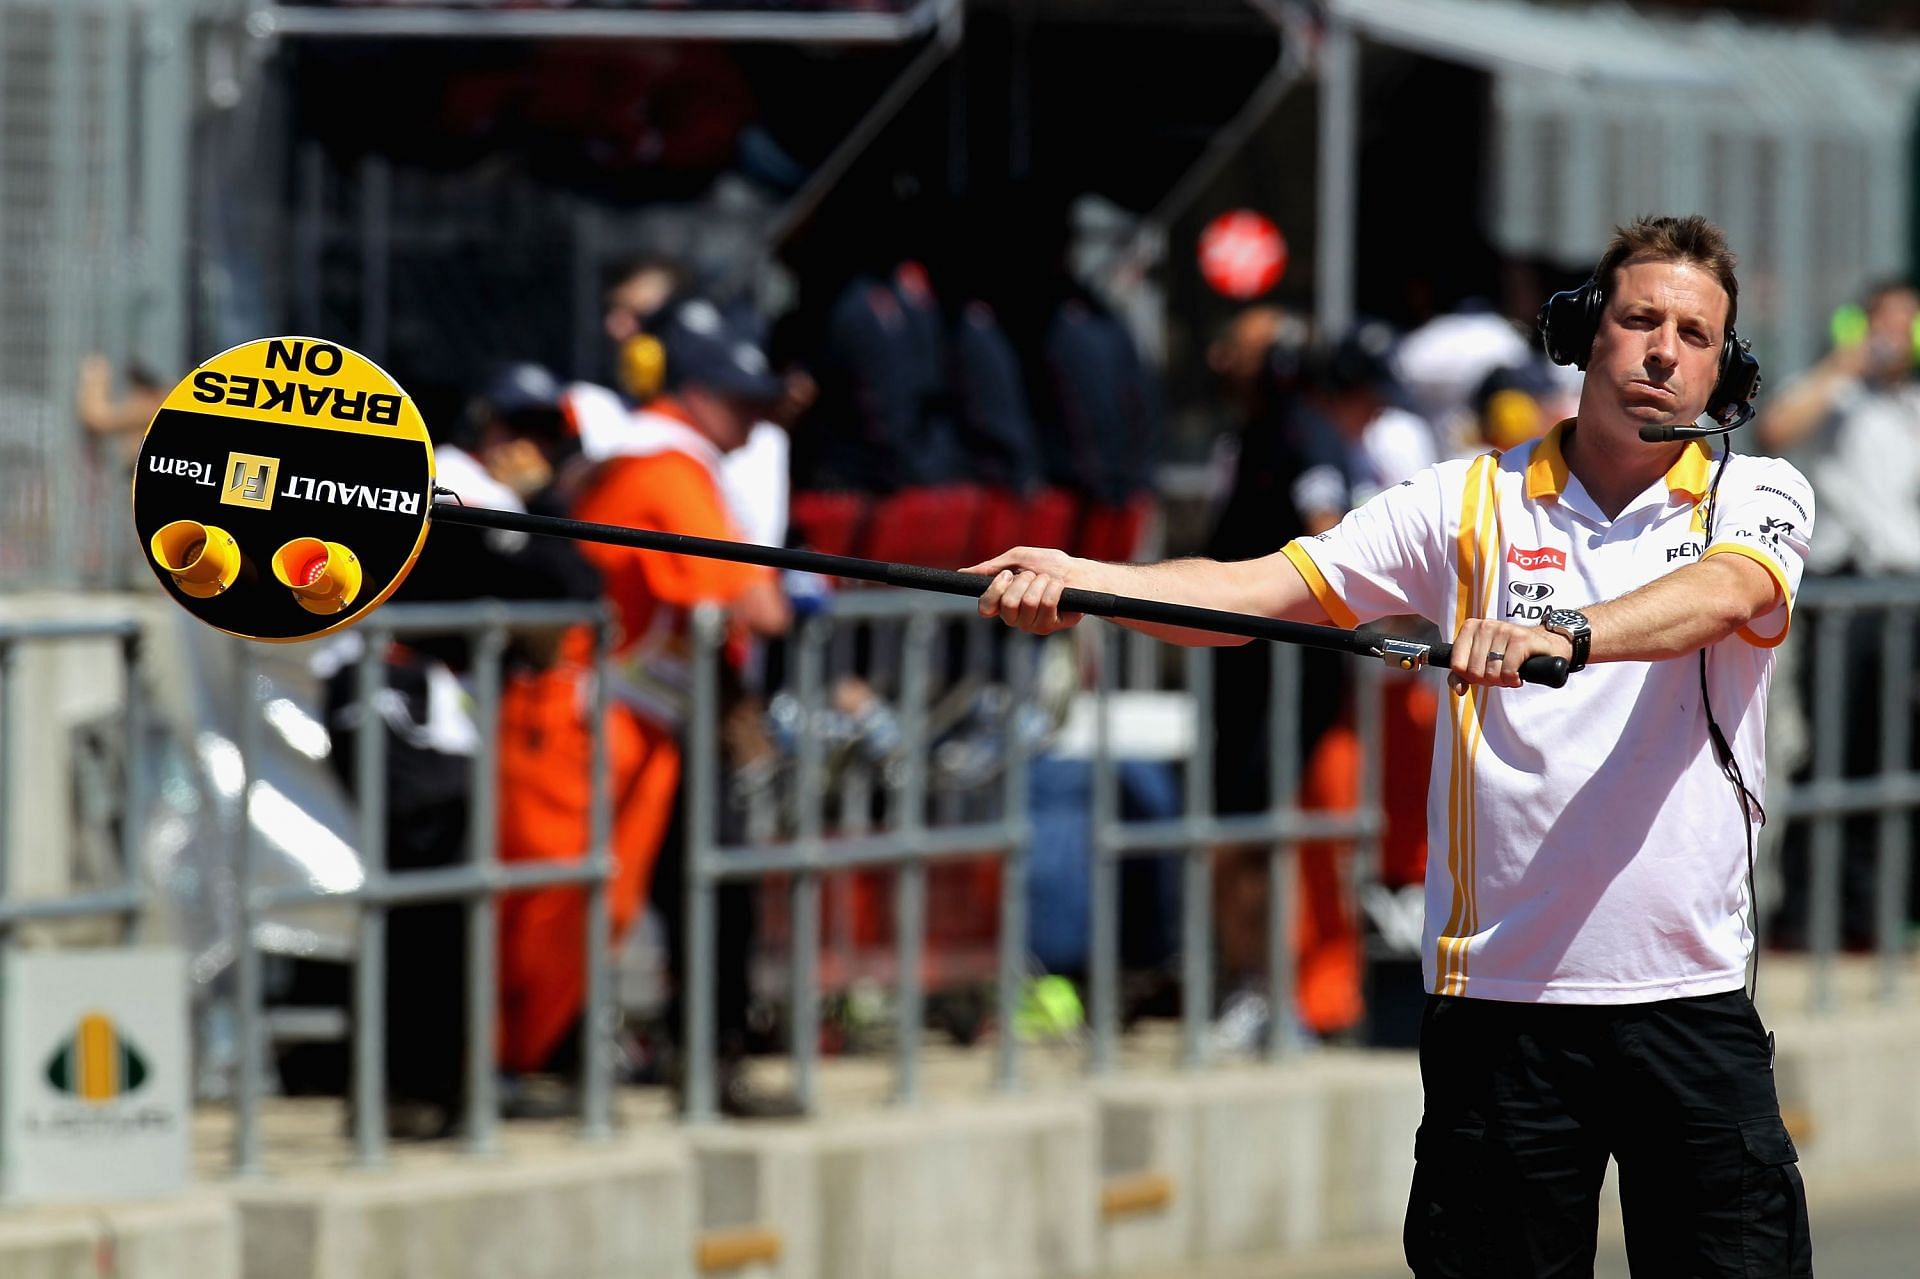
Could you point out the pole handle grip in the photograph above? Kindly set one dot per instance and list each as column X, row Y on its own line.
column 1542, row 668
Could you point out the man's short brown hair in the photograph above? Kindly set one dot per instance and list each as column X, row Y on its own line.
column 1691, row 239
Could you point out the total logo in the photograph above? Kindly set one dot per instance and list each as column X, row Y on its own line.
column 1529, row 600
column 1534, row 561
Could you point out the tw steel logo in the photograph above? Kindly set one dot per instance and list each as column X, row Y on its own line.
column 1536, row 560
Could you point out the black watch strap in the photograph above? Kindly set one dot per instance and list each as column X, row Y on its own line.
column 1573, row 625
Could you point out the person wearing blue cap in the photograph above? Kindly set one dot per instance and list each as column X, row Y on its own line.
column 663, row 466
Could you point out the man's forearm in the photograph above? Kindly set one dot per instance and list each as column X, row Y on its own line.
column 1268, row 587
column 1685, row 611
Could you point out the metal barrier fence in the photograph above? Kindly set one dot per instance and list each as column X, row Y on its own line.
column 1827, row 613
column 123, row 902
column 925, row 625
column 480, row 884
column 917, row 651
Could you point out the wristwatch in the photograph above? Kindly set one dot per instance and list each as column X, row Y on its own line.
column 1574, row 628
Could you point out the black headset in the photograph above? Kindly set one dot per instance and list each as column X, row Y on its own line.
column 1570, row 319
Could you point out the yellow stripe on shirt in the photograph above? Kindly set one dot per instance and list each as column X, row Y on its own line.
column 1476, row 524
column 1487, row 572
column 1779, row 576
column 1329, row 599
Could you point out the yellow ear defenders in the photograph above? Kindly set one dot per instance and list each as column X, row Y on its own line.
column 1849, row 328
column 642, row 367
column 203, row 559
column 323, row 576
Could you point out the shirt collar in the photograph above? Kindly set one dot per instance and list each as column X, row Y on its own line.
column 1691, row 472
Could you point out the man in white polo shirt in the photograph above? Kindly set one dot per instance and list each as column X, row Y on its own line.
column 1588, row 881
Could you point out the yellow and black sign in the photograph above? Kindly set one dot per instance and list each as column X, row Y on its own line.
column 284, row 488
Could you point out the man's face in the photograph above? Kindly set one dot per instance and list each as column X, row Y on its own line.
column 638, row 296
column 724, row 419
column 1239, row 354
column 1656, row 355
column 1890, row 333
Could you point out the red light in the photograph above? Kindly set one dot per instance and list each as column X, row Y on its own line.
column 1242, row 254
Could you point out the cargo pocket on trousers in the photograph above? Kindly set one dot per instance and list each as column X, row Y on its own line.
column 1446, row 1227
column 1774, row 1240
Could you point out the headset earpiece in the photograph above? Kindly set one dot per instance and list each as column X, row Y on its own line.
column 1569, row 321
column 642, row 367
column 1731, row 404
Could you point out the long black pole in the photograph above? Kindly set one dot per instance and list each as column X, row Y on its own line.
column 1404, row 653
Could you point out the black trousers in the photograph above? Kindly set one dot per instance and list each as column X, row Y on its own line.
column 1524, row 1102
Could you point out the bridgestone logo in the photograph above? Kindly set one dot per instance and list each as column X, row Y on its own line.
column 1533, row 561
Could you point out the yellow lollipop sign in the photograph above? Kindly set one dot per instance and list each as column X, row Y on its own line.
column 283, row 489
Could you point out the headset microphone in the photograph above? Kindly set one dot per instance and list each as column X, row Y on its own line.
column 1687, row 431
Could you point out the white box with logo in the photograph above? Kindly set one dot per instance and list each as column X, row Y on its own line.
column 96, row 1103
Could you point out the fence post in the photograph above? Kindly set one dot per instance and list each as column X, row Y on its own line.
column 1104, row 891
column 1370, row 712
column 1891, row 868
column 910, row 878
column 804, row 994
column 6, row 877
column 1013, row 867
column 597, row 1027
column 134, row 762
column 1196, row 867
column 1823, row 895
column 370, row 959
column 1283, row 790
column 250, row 1043
column 483, row 1102
column 702, row 800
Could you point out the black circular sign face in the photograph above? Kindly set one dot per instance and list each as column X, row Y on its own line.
column 283, row 489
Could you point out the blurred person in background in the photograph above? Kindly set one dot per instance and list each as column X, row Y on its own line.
column 121, row 420
column 1441, row 362
column 497, row 451
column 1291, row 479
column 662, row 467
column 1515, row 403
column 882, row 417
column 115, row 427
column 1354, row 386
column 1100, row 417
column 1852, row 422
column 993, row 422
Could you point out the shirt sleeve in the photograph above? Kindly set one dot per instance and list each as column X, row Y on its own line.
column 1766, row 514
column 1384, row 559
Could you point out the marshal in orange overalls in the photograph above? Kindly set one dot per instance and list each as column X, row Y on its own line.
column 545, row 744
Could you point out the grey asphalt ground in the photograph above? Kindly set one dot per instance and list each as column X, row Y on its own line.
column 1867, row 1227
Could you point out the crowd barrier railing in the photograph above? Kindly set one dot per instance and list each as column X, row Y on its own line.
column 926, row 656
column 480, row 884
column 922, row 630
column 123, row 902
column 1827, row 613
